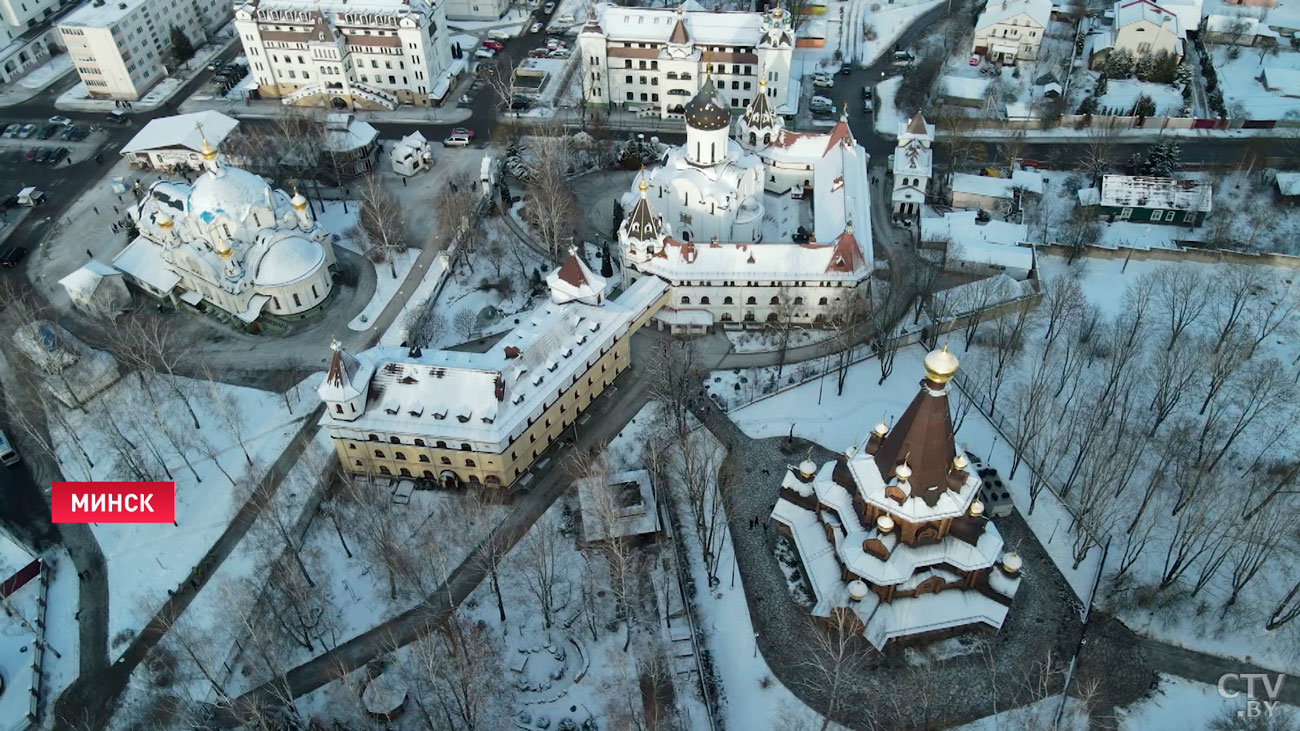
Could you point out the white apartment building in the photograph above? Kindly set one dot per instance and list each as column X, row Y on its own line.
column 373, row 54
column 118, row 48
column 477, row 9
column 27, row 34
column 1011, row 30
column 658, row 58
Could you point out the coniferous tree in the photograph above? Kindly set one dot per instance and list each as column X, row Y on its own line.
column 618, row 218
column 182, row 48
column 606, row 263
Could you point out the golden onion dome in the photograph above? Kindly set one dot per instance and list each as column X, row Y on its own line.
column 940, row 365
column 207, row 151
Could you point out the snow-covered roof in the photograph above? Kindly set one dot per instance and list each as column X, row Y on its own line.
column 86, row 278
column 412, row 145
column 998, row 187
column 489, row 397
column 1038, row 11
column 343, row 133
column 913, row 159
column 381, row 7
column 573, row 280
column 13, row 556
column 1227, row 24
column 657, row 24
column 930, row 613
column 1285, row 80
column 227, row 190
column 624, row 499
column 1128, row 12
column 288, row 260
column 143, row 260
column 1288, row 183
column 1139, row 191
column 182, row 131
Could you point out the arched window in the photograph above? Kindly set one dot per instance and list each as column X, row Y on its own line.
column 751, row 301
column 394, row 440
column 405, row 472
column 727, row 300
column 821, row 301
column 775, row 301
column 444, row 460
column 384, row 470
column 753, row 138
column 419, row 442
column 399, row 455
column 464, row 447
column 470, row 463
column 379, row 454
column 424, row 458
column 771, row 317
column 704, row 300
column 427, row 475
column 373, row 437
column 440, row 444
column 686, row 300
column 798, row 300
column 338, row 408
column 767, row 139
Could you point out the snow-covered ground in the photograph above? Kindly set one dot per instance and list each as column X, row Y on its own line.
column 145, row 560
column 1122, row 94
column 762, row 341
column 1179, row 703
column 390, row 274
column 47, row 73
column 887, row 116
column 870, row 27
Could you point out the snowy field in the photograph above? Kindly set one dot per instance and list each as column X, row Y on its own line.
column 390, row 276
column 746, row 341
column 47, row 73
column 1122, row 94
column 210, row 466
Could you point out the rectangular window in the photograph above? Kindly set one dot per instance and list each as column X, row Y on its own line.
column 1157, row 215
column 1125, row 214
column 1169, row 215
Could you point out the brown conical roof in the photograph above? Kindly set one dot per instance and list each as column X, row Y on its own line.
column 923, row 439
column 917, row 126
column 642, row 223
column 680, row 35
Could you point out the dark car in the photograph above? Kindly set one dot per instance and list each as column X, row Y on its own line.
column 11, row 257
column 520, row 103
column 31, row 154
column 47, row 131
column 58, row 155
column 78, row 134
column 118, row 118
column 45, row 155
column 802, row 236
column 846, row 69
column 8, row 202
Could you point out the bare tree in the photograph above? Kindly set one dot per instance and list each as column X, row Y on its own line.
column 706, row 485
column 425, row 325
column 464, row 321
column 1100, row 154
column 540, row 564
column 1064, row 299
column 381, row 223
column 785, row 311
column 673, row 378
column 1180, row 299
column 1255, row 543
column 1235, row 287
column 462, row 667
column 836, row 655
column 601, row 515
column 551, row 207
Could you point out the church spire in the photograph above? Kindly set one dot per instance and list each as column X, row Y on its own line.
column 641, row 223
column 921, row 444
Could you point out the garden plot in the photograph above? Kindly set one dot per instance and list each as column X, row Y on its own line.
column 1000, row 92
column 1122, row 97
column 1245, row 95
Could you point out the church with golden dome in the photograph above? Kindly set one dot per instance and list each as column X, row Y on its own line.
column 231, row 245
column 893, row 530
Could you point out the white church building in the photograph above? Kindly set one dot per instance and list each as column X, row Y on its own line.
column 913, row 165
column 752, row 228
column 230, row 245
column 658, row 58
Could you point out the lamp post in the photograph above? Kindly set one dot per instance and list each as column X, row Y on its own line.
column 755, row 643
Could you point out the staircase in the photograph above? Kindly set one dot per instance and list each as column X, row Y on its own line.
column 378, row 96
column 303, row 93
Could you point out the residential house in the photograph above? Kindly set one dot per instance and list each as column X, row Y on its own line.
column 1150, row 200
column 993, row 194
column 1140, row 27
column 1011, row 30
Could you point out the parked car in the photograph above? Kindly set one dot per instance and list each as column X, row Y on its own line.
column 463, row 131
column 535, row 28
column 61, row 121
column 823, row 80
column 868, row 106
column 57, row 156
column 548, row 8
column 846, row 69
column 31, row 154
column 499, row 35
column 455, row 140
column 538, row 53
column 12, row 257
column 822, row 103
column 117, row 118
column 12, row 130
column 47, row 131
column 520, row 103
column 903, row 56
column 44, row 155
column 27, row 131
column 494, row 45
column 566, row 18
column 485, row 53
column 866, row 92
column 78, row 134
column 558, row 53
column 975, row 60
column 464, row 100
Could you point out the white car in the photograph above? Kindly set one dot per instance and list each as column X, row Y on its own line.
column 499, row 35
column 558, row 53
column 64, row 121
column 456, row 140
column 485, row 53
column 548, row 8
column 823, row 81
column 566, row 18
column 536, row 28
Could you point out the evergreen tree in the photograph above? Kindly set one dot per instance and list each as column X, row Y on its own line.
column 606, row 263
column 1162, row 159
column 1183, row 75
column 1144, row 107
column 1144, row 67
column 631, row 158
column 1102, row 83
column 618, row 218
column 1119, row 65
column 181, row 46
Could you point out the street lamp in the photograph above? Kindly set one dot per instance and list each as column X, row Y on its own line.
column 756, row 643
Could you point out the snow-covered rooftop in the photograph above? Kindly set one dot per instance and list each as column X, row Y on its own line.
column 489, row 397
column 625, row 499
column 998, row 187
column 994, row 243
column 1039, row 11
column 1250, row 27
column 143, row 260
column 1123, row 191
column 184, row 131
column 1128, row 12
column 1288, row 183
column 104, row 15
column 13, row 556
column 86, row 278
column 343, row 133
column 657, row 24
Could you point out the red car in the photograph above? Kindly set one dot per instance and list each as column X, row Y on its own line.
column 494, row 45
column 463, row 131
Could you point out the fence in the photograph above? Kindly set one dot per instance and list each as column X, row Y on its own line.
column 1180, row 254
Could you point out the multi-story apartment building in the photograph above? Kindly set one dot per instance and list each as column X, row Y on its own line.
column 476, row 9
column 658, row 58
column 482, row 419
column 28, row 35
column 119, row 48
column 374, row 54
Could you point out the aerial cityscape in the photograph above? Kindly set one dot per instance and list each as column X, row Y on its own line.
column 714, row 365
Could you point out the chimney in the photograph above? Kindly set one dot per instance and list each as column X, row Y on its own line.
column 499, row 387
column 512, row 352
